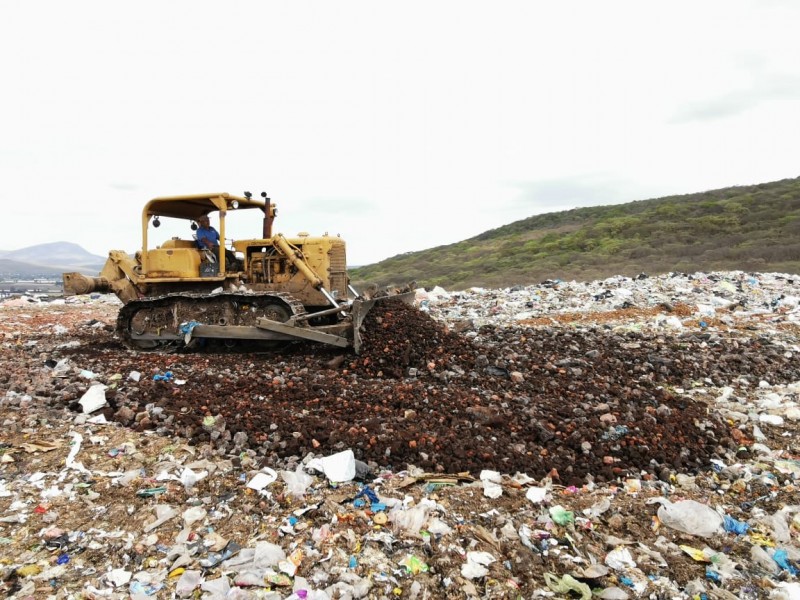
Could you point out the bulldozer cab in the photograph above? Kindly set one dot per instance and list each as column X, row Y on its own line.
column 181, row 258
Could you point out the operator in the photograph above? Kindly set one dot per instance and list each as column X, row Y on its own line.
column 208, row 239
column 207, row 236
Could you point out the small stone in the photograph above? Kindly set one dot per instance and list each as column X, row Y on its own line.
column 616, row 521
column 125, row 415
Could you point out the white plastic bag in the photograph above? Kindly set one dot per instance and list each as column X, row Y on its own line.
column 268, row 555
column 297, row 482
column 689, row 517
column 411, row 520
column 262, row 479
column 187, row 583
column 340, row 467
column 94, row 399
column 476, row 564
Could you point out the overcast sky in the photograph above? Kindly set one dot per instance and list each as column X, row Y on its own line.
column 400, row 126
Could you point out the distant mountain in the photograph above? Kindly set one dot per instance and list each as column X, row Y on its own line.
column 748, row 228
column 14, row 269
column 48, row 260
column 55, row 254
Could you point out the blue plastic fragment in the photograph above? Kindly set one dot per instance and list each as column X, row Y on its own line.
column 713, row 575
column 63, row 559
column 626, row 581
column 782, row 559
column 186, row 328
column 149, row 589
column 378, row 506
column 734, row 526
column 353, row 562
column 359, row 502
column 165, row 377
column 366, row 491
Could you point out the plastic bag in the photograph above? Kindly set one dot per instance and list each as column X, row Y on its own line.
column 786, row 591
column 734, row 526
column 567, row 584
column 782, row 559
column 760, row 557
column 476, row 565
column 268, row 555
column 187, row 583
column 411, row 520
column 620, row 559
column 94, row 399
column 164, row 513
column 297, row 482
column 689, row 517
column 780, row 528
column 340, row 467
column 613, row 593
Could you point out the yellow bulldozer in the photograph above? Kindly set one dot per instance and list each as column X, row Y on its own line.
column 271, row 288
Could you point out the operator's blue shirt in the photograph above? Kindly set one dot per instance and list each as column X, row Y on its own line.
column 209, row 234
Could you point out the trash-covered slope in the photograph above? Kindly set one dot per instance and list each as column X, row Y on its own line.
column 583, row 402
column 513, row 441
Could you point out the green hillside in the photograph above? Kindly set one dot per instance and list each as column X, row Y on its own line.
column 750, row 228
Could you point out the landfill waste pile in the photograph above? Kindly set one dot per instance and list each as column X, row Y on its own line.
column 624, row 438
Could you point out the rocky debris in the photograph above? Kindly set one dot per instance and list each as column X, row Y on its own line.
column 629, row 443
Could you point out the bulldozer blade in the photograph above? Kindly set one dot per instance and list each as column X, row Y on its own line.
column 301, row 333
column 361, row 308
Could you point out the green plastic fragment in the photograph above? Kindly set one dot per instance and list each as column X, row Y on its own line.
column 414, row 565
column 146, row 493
column 561, row 516
column 567, row 584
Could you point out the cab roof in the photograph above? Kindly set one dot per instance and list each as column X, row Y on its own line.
column 196, row 205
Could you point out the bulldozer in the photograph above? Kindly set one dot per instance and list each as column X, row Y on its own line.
column 269, row 289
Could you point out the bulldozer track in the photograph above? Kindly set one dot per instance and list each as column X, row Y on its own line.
column 154, row 324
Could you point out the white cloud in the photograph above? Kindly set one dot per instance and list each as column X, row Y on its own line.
column 401, row 127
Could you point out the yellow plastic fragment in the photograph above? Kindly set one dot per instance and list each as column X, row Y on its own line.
column 29, row 570
column 397, row 591
column 761, row 540
column 177, row 572
column 696, row 554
